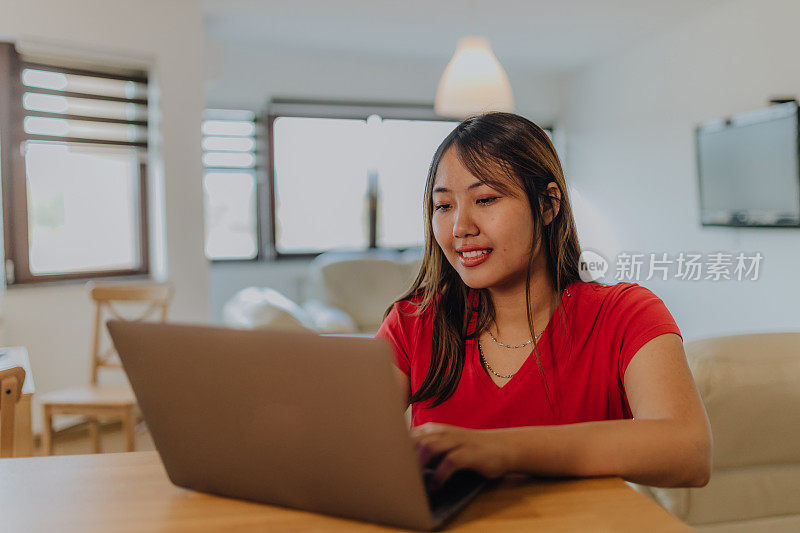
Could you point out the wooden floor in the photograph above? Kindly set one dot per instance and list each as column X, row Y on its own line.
column 75, row 441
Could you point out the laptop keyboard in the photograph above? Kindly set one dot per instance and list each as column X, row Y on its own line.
column 452, row 493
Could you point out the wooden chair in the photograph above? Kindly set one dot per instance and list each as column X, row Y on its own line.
column 97, row 401
column 11, row 380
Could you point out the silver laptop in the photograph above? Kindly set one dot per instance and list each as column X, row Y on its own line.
column 292, row 419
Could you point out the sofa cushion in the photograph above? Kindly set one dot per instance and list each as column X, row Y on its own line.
column 750, row 385
column 262, row 307
column 329, row 319
column 735, row 494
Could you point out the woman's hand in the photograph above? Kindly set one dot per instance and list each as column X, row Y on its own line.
column 480, row 450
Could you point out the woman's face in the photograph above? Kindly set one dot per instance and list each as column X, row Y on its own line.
column 485, row 235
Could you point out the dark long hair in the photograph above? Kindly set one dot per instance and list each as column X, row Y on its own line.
column 522, row 153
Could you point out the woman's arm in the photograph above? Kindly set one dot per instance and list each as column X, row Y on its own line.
column 404, row 383
column 668, row 444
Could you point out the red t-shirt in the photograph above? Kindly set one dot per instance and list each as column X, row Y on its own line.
column 584, row 357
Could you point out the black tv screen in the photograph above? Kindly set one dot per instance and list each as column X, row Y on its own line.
column 748, row 168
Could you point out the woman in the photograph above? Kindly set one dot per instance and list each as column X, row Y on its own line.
column 510, row 361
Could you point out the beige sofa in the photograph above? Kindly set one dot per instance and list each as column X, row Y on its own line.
column 750, row 385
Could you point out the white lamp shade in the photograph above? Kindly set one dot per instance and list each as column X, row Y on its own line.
column 473, row 82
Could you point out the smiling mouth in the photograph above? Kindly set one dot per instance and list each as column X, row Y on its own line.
column 474, row 253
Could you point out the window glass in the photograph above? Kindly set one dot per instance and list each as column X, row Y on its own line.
column 83, row 207
column 230, row 186
column 405, row 153
column 321, row 200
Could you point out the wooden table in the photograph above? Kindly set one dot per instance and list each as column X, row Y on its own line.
column 23, row 430
column 131, row 492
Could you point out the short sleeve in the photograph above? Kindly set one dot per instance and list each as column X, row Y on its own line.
column 641, row 317
column 391, row 329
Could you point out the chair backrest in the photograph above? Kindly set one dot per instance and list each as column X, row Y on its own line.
column 11, row 380
column 154, row 298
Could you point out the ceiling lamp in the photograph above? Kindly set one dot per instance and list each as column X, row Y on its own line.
column 473, row 82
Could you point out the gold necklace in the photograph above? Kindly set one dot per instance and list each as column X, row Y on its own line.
column 523, row 344
column 508, row 345
column 489, row 368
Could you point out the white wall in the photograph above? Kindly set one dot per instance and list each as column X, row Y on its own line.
column 248, row 76
column 629, row 124
column 54, row 322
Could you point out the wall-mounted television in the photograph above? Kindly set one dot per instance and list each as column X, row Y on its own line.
column 749, row 169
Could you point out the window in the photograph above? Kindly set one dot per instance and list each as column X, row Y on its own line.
column 74, row 149
column 230, row 185
column 349, row 176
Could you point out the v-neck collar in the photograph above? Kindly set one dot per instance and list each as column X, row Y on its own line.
column 542, row 344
